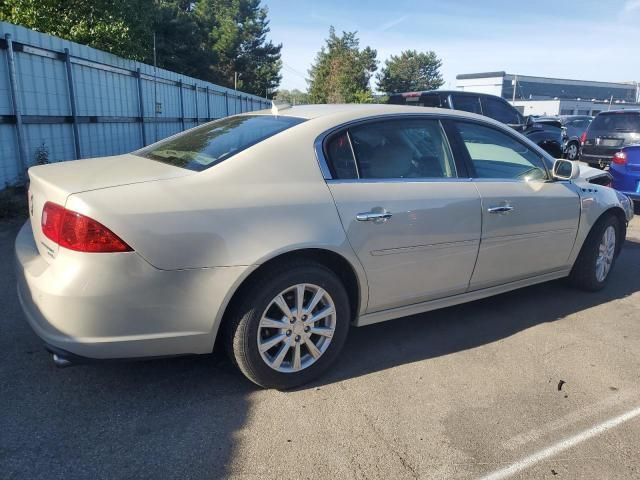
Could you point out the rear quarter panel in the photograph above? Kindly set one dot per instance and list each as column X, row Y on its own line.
column 267, row 199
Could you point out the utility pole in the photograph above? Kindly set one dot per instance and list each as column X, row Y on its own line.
column 235, row 80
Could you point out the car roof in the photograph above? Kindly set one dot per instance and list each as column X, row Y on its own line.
column 618, row 112
column 355, row 110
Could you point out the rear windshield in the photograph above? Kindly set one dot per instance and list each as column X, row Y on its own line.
column 616, row 122
column 203, row 147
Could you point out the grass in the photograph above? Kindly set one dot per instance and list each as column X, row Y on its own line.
column 13, row 203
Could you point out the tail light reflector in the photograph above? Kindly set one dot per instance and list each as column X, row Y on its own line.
column 619, row 158
column 78, row 232
column 583, row 138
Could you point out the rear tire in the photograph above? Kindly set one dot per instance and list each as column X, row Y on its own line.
column 298, row 354
column 573, row 151
column 596, row 260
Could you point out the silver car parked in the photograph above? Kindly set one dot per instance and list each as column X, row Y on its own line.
column 277, row 230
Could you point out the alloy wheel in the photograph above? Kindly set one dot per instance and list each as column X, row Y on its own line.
column 606, row 253
column 296, row 328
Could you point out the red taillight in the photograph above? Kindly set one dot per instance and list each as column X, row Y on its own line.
column 583, row 138
column 78, row 232
column 619, row 158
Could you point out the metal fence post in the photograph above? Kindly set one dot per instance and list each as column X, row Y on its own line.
column 72, row 101
column 181, row 104
column 15, row 101
column 208, row 104
column 226, row 102
column 195, row 90
column 141, row 108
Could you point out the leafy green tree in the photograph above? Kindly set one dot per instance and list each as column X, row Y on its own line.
column 121, row 27
column 181, row 40
column 293, row 97
column 410, row 71
column 208, row 39
column 342, row 70
column 237, row 37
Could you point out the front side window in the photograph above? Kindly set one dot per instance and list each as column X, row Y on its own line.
column 412, row 148
column 495, row 154
column 467, row 103
column 500, row 111
column 202, row 147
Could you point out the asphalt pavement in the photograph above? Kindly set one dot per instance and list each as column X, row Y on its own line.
column 539, row 383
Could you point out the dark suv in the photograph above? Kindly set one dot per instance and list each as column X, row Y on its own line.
column 545, row 135
column 607, row 134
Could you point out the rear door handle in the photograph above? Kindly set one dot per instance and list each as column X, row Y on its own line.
column 500, row 209
column 374, row 216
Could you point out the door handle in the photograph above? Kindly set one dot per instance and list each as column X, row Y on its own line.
column 500, row 209
column 374, row 216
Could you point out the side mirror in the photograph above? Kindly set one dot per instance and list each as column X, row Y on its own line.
column 565, row 170
column 530, row 121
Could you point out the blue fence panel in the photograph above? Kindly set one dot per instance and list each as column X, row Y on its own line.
column 110, row 115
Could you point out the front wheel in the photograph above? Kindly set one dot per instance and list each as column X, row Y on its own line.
column 598, row 255
column 290, row 325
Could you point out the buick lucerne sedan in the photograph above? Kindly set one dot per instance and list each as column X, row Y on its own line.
column 271, row 233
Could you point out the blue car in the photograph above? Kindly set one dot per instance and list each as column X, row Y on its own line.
column 625, row 170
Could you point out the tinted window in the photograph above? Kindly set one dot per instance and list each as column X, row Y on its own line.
column 500, row 111
column 402, row 149
column 202, row 147
column 494, row 154
column 340, row 157
column 467, row 103
column 621, row 122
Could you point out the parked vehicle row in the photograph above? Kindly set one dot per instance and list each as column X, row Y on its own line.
column 546, row 135
column 275, row 231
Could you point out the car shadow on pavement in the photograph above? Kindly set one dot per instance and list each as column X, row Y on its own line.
column 446, row 331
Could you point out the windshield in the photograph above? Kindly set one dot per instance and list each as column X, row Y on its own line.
column 203, row 147
column 620, row 122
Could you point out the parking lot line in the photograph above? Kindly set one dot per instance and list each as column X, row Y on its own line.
column 572, row 418
column 565, row 444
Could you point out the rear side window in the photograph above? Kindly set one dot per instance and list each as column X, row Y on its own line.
column 340, row 155
column 393, row 149
column 202, row 147
column 500, row 111
column 616, row 122
column 467, row 103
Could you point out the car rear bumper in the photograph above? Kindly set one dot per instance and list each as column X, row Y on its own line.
column 103, row 306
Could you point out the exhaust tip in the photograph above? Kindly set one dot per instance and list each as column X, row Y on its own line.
column 60, row 362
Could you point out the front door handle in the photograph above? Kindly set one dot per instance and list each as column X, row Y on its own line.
column 378, row 217
column 500, row 209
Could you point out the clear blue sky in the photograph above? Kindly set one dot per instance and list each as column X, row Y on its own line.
column 587, row 40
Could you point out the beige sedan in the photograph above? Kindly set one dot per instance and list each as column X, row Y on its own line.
column 275, row 231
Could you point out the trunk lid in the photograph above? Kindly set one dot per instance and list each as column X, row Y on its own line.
column 55, row 182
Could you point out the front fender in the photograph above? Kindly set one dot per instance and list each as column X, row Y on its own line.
column 595, row 201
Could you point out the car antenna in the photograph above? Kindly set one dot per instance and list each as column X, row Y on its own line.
column 277, row 106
